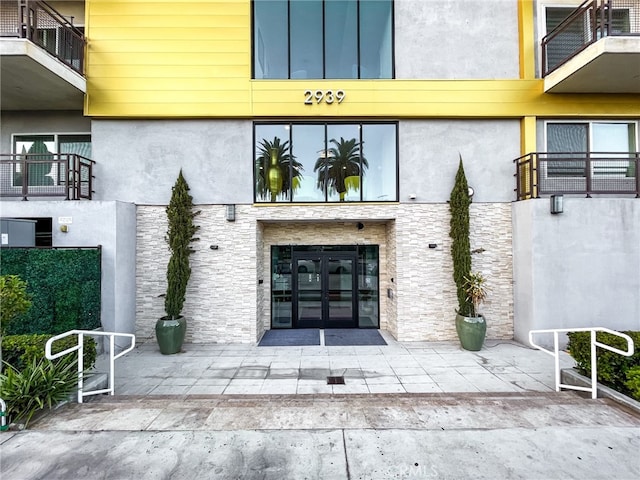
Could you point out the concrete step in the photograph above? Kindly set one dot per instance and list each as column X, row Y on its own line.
column 527, row 410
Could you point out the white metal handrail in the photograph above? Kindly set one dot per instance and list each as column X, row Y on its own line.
column 80, row 349
column 594, row 360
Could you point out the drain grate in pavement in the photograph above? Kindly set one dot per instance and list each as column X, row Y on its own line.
column 335, row 380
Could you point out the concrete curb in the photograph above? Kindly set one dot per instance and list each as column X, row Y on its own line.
column 571, row 376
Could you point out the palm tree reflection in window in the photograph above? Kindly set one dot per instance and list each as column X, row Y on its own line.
column 277, row 171
column 340, row 168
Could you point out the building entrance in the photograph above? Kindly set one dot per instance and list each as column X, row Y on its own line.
column 324, row 286
column 324, row 289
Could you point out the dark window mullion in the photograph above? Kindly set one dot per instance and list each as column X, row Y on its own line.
column 289, row 39
column 358, row 40
column 361, row 180
column 326, row 170
column 324, row 41
column 290, row 163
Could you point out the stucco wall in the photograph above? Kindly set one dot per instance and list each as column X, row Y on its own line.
column 109, row 224
column 580, row 268
column 430, row 151
column 461, row 39
column 40, row 122
column 139, row 160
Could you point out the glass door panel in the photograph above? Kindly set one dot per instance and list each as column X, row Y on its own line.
column 340, row 292
column 309, row 289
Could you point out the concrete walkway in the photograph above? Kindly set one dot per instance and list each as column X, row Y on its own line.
column 405, row 411
column 398, row 367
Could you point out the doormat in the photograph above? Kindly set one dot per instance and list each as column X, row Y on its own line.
column 352, row 336
column 290, row 337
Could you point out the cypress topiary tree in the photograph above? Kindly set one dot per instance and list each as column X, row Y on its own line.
column 180, row 234
column 459, row 232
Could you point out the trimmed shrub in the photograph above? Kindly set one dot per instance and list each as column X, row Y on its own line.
column 19, row 351
column 612, row 367
column 633, row 382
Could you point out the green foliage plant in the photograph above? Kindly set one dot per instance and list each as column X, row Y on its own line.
column 14, row 300
column 459, row 202
column 276, row 155
column 20, row 350
column 180, row 234
column 476, row 290
column 342, row 160
column 40, row 384
column 613, row 368
column 633, row 382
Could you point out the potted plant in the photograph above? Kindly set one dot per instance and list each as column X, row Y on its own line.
column 277, row 171
column 340, row 167
column 471, row 328
column 171, row 329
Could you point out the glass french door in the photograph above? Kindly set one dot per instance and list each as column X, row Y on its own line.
column 325, row 289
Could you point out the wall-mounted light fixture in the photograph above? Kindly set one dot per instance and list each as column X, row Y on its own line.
column 230, row 213
column 412, row 196
column 471, row 191
column 555, row 205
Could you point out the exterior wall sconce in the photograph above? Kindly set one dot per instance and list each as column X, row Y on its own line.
column 230, row 213
column 556, row 204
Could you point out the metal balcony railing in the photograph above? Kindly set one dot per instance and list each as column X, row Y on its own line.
column 46, row 175
column 44, row 26
column 577, row 173
column 591, row 21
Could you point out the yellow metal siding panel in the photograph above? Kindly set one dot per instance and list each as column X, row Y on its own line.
column 178, row 58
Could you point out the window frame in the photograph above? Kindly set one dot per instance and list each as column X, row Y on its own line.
column 17, row 169
column 325, row 124
column 256, row 49
column 589, row 151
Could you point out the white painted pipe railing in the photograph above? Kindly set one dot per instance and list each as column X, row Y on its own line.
column 3, row 416
column 594, row 359
column 80, row 349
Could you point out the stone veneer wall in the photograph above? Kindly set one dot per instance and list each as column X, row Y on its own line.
column 425, row 290
column 227, row 302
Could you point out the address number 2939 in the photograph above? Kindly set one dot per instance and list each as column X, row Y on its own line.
column 326, row 96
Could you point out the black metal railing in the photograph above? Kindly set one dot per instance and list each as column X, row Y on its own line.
column 591, row 21
column 64, row 175
column 591, row 173
column 44, row 26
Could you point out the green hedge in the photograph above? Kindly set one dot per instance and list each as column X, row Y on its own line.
column 64, row 285
column 20, row 350
column 612, row 367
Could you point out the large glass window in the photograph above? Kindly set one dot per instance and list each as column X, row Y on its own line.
column 326, row 162
column 40, row 148
column 603, row 142
column 322, row 39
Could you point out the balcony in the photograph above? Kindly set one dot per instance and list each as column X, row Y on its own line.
column 53, row 175
column 596, row 49
column 539, row 174
column 41, row 58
